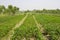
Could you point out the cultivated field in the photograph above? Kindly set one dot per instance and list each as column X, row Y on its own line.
column 30, row 27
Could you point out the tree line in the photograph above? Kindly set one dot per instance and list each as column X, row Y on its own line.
column 9, row 10
column 54, row 11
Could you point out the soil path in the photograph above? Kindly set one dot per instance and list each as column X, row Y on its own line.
column 11, row 32
column 40, row 27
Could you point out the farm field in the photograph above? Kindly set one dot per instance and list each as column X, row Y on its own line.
column 51, row 24
column 27, row 31
column 7, row 23
column 32, row 27
column 29, row 20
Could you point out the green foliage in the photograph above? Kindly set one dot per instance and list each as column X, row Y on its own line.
column 50, row 19
column 2, row 8
column 7, row 23
column 27, row 30
column 11, row 10
column 51, row 23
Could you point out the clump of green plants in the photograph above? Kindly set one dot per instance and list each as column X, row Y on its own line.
column 27, row 30
column 51, row 23
column 7, row 23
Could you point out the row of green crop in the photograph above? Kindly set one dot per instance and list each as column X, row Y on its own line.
column 7, row 23
column 51, row 23
column 27, row 30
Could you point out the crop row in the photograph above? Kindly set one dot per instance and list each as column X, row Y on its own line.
column 7, row 23
column 51, row 23
column 28, row 30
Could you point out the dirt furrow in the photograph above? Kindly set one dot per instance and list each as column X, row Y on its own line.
column 11, row 32
column 40, row 28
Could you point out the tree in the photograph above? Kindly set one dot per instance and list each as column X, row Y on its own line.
column 10, row 7
column 44, row 11
column 57, row 10
column 15, row 9
column 2, row 8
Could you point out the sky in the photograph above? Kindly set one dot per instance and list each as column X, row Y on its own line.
column 32, row 4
